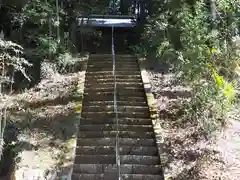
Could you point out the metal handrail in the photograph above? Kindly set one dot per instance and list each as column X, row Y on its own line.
column 118, row 163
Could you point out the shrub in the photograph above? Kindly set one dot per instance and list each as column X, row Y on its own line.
column 11, row 59
column 183, row 35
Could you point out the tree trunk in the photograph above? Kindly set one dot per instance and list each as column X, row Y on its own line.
column 213, row 12
column 73, row 30
column 213, row 23
column 124, row 7
column 149, row 7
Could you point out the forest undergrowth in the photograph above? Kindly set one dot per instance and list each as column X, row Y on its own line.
column 193, row 53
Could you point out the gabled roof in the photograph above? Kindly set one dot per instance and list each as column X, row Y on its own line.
column 107, row 21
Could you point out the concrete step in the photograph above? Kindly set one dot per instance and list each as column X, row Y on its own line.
column 124, row 150
column 137, row 121
column 119, row 103
column 111, row 159
column 113, row 176
column 112, row 142
column 105, row 115
column 113, row 127
column 112, row 134
column 124, row 168
column 110, row 108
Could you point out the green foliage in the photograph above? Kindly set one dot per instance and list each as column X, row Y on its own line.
column 47, row 45
column 11, row 60
column 139, row 50
column 183, row 35
column 65, row 62
column 40, row 24
column 226, row 89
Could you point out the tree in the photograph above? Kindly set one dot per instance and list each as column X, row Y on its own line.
column 195, row 38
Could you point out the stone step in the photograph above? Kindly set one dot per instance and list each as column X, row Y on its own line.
column 107, row 73
column 142, row 177
column 112, row 134
column 111, row 85
column 111, row 159
column 117, row 69
column 110, row 65
column 111, row 97
column 118, row 77
column 113, row 127
column 109, row 68
column 111, row 102
column 119, row 93
column 104, row 115
column 110, row 59
column 112, row 142
column 113, row 176
column 107, row 108
column 98, row 80
column 127, row 84
column 110, row 55
column 124, row 168
column 124, row 150
column 137, row 121
column 109, row 62
column 96, row 143
column 111, row 76
column 123, row 90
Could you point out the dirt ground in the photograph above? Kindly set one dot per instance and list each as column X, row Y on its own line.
column 47, row 121
column 187, row 154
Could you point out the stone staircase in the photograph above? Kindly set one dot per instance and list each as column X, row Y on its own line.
column 95, row 153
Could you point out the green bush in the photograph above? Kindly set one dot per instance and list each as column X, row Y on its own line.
column 11, row 60
column 140, row 50
column 184, row 36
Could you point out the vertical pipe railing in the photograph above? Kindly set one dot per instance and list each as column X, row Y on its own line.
column 118, row 163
